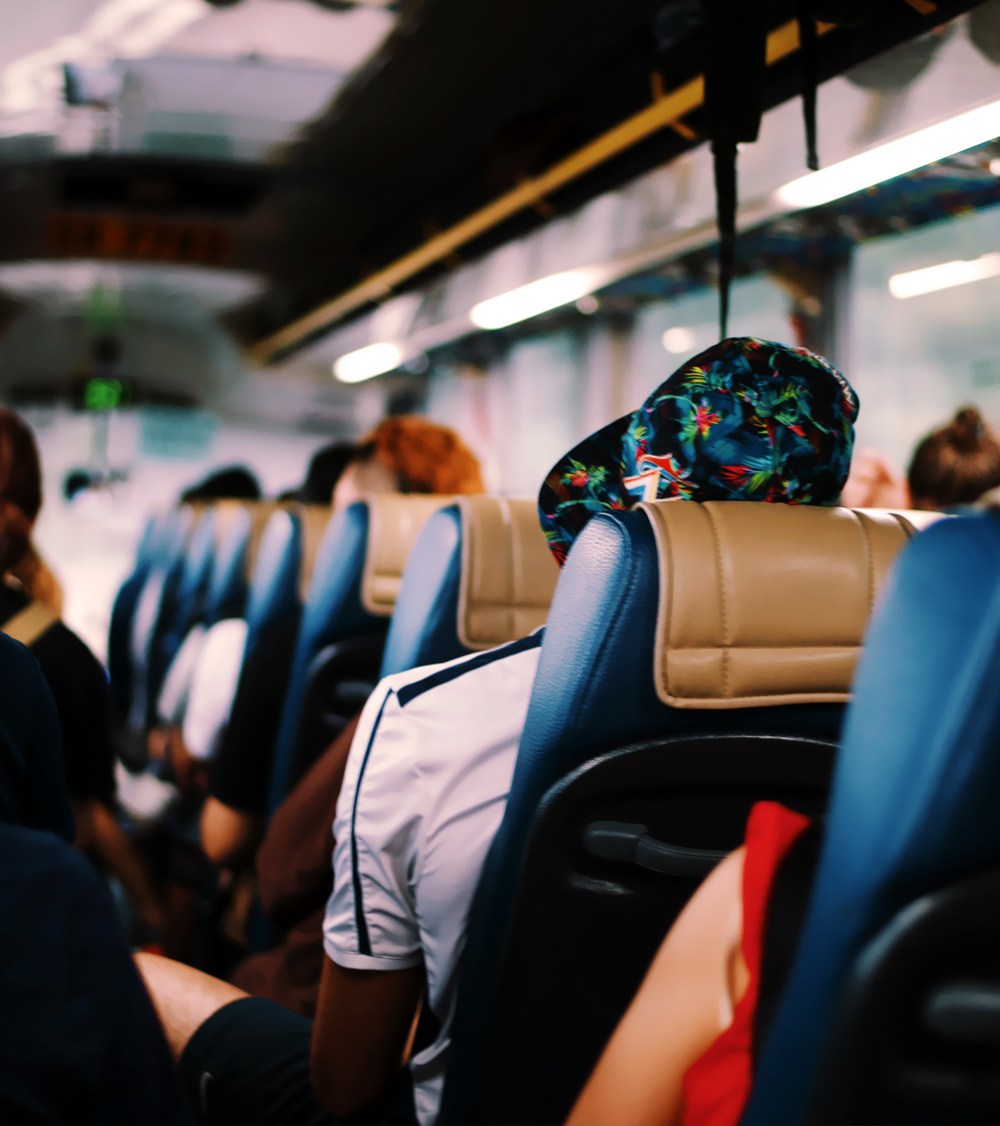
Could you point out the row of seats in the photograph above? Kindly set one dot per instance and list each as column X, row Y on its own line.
column 697, row 659
column 480, row 575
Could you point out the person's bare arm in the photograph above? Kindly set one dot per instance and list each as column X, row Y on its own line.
column 683, row 1004
column 363, row 1022
column 98, row 831
column 229, row 836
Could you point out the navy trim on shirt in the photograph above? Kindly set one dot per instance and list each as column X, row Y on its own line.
column 410, row 692
column 364, row 942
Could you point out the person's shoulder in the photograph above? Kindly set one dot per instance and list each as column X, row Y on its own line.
column 59, row 638
column 33, row 856
column 514, row 661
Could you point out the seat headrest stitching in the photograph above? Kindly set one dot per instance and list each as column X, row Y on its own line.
column 908, row 528
column 723, row 600
column 869, row 559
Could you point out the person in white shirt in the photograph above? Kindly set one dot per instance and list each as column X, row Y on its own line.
column 430, row 766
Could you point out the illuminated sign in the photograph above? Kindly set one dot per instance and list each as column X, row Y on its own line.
column 138, row 240
column 103, row 394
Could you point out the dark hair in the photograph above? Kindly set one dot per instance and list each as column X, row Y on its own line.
column 955, row 464
column 425, row 456
column 20, row 487
column 235, row 482
column 324, row 472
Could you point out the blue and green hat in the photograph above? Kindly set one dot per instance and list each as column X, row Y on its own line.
column 746, row 419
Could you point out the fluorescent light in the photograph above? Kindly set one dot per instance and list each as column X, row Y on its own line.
column 367, row 362
column 530, row 300
column 894, row 158
column 945, row 275
column 678, row 340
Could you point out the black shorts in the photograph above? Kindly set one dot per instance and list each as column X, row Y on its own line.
column 248, row 1064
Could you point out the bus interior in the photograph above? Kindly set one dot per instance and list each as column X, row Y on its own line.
column 250, row 251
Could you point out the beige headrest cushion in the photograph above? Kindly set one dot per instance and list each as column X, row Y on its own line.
column 314, row 518
column 764, row 604
column 508, row 573
column 394, row 522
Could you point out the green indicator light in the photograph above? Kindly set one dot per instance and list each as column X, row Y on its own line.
column 104, row 394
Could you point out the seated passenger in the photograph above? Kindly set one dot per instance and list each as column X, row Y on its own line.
column 699, row 1069
column 77, row 680
column 235, row 482
column 408, row 455
column 325, row 469
column 430, row 766
column 954, row 466
column 79, row 1041
column 33, row 789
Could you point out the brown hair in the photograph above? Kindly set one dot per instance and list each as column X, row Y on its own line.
column 20, row 487
column 424, row 456
column 955, row 464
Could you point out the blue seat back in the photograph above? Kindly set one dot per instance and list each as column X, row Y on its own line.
column 226, row 589
column 915, row 793
column 155, row 596
column 667, row 622
column 273, row 597
column 355, row 582
column 479, row 575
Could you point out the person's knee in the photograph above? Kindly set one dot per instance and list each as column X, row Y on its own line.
column 184, row 998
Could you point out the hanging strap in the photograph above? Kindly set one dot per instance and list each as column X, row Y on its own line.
column 807, row 54
column 30, row 624
column 734, row 97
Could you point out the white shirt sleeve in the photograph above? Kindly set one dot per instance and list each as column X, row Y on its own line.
column 371, row 919
column 213, row 686
column 177, row 683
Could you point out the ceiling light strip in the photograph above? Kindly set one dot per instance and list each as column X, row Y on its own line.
column 666, row 110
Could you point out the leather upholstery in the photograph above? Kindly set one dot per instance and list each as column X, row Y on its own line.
column 596, row 692
column 767, row 604
column 273, row 595
column 335, row 610
column 508, row 572
column 395, row 520
column 260, row 513
column 479, row 575
column 314, row 519
column 913, row 806
column 227, row 584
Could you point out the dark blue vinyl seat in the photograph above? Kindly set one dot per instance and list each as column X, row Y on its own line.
column 355, row 581
column 158, row 538
column 890, row 1011
column 479, row 575
column 156, row 596
column 696, row 659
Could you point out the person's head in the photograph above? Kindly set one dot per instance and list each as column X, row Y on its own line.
column 955, row 464
column 235, row 482
column 324, row 472
column 409, row 455
column 746, row 419
column 20, row 487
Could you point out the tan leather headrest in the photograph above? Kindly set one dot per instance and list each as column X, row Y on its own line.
column 508, row 572
column 394, row 522
column 764, row 604
column 315, row 518
column 260, row 512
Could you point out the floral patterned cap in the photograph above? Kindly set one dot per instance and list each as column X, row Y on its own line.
column 746, row 419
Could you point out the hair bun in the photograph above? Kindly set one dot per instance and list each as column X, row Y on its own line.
column 967, row 426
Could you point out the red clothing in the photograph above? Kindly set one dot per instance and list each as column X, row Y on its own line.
column 717, row 1085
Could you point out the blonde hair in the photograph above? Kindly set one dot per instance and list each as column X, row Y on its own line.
column 424, row 456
